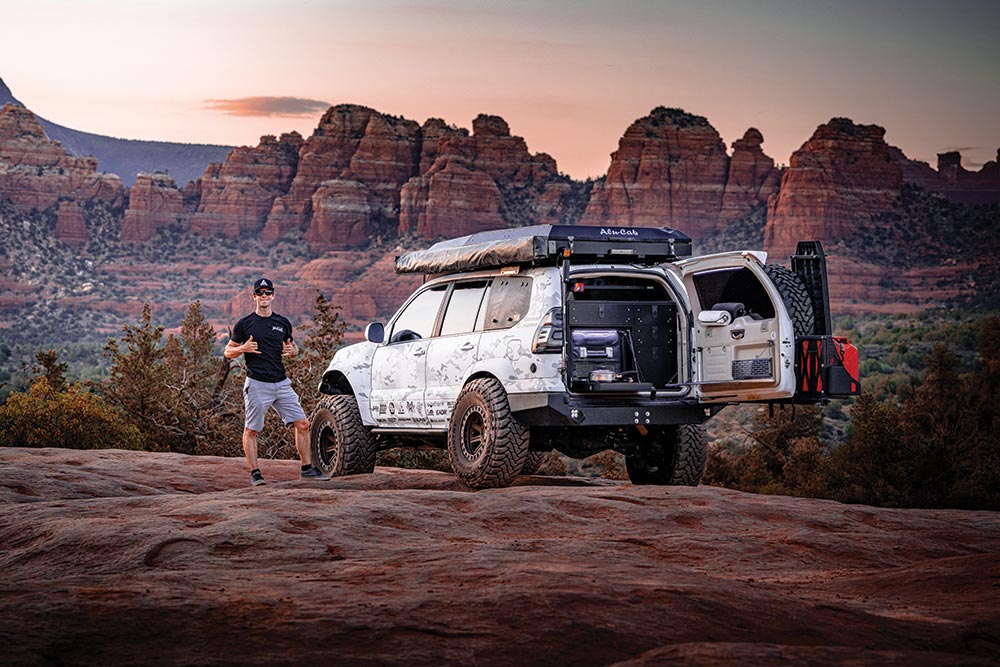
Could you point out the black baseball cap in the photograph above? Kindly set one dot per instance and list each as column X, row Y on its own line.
column 263, row 283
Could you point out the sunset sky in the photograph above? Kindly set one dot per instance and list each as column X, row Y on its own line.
column 568, row 76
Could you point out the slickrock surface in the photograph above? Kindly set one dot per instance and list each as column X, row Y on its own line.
column 113, row 557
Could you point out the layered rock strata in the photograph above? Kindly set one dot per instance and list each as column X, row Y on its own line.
column 842, row 176
column 37, row 173
column 154, row 202
column 671, row 169
column 237, row 195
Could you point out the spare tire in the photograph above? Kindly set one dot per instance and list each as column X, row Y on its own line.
column 794, row 293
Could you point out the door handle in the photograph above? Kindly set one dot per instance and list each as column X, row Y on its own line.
column 466, row 347
column 420, row 352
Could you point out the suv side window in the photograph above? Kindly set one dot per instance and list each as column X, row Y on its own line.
column 463, row 307
column 417, row 320
column 508, row 303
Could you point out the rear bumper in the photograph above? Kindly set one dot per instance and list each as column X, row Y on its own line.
column 563, row 410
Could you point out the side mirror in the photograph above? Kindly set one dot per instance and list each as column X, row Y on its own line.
column 375, row 332
column 715, row 318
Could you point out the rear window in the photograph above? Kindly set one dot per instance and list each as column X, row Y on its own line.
column 508, row 302
column 463, row 307
column 733, row 285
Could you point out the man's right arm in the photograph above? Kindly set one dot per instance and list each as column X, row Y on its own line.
column 233, row 350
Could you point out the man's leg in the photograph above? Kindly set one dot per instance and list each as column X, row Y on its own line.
column 250, row 447
column 302, row 441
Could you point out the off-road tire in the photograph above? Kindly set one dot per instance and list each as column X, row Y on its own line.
column 533, row 461
column 340, row 442
column 676, row 458
column 796, row 297
column 487, row 446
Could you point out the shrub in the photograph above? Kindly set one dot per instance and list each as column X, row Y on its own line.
column 74, row 418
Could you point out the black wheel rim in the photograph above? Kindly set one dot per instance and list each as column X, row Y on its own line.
column 327, row 445
column 473, row 433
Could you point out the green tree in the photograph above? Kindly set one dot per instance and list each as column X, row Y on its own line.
column 786, row 455
column 203, row 404
column 49, row 367
column 138, row 380
column 873, row 466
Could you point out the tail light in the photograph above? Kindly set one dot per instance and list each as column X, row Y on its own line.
column 549, row 335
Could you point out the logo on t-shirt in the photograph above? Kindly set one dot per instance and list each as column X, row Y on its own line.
column 273, row 328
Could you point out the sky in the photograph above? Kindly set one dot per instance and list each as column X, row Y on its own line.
column 567, row 75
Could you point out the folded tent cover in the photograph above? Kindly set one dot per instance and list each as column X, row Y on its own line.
column 545, row 243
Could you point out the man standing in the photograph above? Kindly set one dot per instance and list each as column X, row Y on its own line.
column 263, row 337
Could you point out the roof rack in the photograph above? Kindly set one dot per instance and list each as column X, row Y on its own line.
column 549, row 244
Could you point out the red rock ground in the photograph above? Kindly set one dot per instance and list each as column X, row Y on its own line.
column 115, row 557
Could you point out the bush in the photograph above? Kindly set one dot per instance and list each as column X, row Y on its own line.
column 74, row 418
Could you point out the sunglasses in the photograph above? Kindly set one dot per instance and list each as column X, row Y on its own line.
column 264, row 292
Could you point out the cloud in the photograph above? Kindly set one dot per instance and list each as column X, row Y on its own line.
column 288, row 107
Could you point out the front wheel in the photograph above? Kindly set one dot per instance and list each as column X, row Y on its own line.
column 487, row 446
column 340, row 442
column 676, row 457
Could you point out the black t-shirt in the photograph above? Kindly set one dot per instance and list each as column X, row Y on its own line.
column 269, row 333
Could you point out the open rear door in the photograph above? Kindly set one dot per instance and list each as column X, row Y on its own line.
column 742, row 338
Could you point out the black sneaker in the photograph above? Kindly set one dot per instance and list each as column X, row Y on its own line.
column 256, row 479
column 312, row 472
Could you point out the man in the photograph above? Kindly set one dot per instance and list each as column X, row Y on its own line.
column 263, row 337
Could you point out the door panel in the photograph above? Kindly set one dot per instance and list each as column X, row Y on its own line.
column 398, row 384
column 748, row 355
column 400, row 366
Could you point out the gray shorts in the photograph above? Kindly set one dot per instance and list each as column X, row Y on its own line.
column 259, row 396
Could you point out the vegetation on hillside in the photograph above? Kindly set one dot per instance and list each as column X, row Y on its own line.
column 175, row 393
column 932, row 442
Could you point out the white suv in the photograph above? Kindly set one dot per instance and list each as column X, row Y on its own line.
column 579, row 339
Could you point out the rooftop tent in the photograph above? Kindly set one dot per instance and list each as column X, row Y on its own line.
column 541, row 244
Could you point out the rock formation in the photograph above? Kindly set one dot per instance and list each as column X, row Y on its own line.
column 351, row 143
column 237, row 195
column 36, row 172
column 837, row 180
column 71, row 227
column 671, row 169
column 485, row 181
column 954, row 181
column 154, row 202
column 752, row 178
column 124, row 558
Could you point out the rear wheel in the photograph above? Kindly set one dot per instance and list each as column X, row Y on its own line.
column 533, row 461
column 487, row 446
column 796, row 297
column 675, row 457
column 340, row 442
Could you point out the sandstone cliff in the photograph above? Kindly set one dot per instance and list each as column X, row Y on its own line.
column 956, row 182
column 113, row 557
column 237, row 195
column 835, row 182
column 154, row 202
column 671, row 169
column 37, row 173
